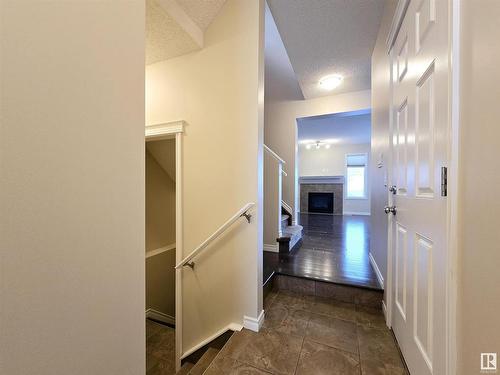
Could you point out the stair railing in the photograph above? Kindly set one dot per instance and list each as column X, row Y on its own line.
column 243, row 212
column 281, row 173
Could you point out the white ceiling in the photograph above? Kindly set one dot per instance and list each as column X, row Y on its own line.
column 176, row 27
column 202, row 12
column 344, row 128
column 325, row 37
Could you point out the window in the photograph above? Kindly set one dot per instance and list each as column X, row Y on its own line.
column 356, row 176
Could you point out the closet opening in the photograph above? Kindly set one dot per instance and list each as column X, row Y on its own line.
column 160, row 245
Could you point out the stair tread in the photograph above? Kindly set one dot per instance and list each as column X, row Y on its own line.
column 205, row 361
column 293, row 229
column 186, row 367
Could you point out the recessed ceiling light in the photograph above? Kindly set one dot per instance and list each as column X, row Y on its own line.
column 330, row 82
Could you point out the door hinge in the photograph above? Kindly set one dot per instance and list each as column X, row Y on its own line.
column 444, row 181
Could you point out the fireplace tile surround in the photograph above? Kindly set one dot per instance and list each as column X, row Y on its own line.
column 333, row 185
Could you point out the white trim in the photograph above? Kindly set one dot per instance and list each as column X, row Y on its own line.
column 397, row 20
column 390, row 200
column 453, row 183
column 177, row 13
column 384, row 310
column 287, row 207
column 156, row 132
column 179, row 233
column 380, row 278
column 253, row 324
column 354, row 213
column 152, row 253
column 231, row 327
column 159, row 316
column 322, row 180
column 272, row 248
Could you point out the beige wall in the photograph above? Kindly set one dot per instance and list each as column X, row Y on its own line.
column 160, row 226
column 281, row 127
column 72, row 187
column 164, row 153
column 332, row 162
column 380, row 141
column 160, row 282
column 218, row 92
column 160, row 205
column 479, row 236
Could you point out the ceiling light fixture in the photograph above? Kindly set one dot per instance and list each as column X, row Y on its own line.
column 330, row 82
column 318, row 144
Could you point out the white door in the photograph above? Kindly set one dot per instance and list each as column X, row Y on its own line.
column 420, row 123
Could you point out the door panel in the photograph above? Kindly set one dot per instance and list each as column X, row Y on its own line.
column 419, row 142
column 401, row 266
column 424, row 134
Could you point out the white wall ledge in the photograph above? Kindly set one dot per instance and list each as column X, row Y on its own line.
column 321, row 180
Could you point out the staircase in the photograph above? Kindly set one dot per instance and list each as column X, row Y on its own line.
column 291, row 234
column 200, row 366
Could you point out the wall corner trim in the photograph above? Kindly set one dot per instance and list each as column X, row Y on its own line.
column 253, row 324
column 380, row 278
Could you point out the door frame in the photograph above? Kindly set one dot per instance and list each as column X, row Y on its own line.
column 453, row 177
column 158, row 132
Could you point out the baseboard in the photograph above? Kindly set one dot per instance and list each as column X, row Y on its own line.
column 231, row 327
column 160, row 250
column 380, row 278
column 253, row 324
column 384, row 309
column 159, row 316
column 272, row 248
column 353, row 213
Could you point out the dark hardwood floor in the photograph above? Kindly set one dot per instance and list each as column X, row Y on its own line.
column 334, row 249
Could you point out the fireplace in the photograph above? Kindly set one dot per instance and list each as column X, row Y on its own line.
column 320, row 202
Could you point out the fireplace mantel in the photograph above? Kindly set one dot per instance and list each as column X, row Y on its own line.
column 321, row 180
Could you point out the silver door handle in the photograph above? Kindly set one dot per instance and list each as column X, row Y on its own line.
column 390, row 209
column 393, row 189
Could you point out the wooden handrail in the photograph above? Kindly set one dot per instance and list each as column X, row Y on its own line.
column 243, row 212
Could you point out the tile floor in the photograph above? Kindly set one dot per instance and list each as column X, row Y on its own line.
column 312, row 335
column 160, row 349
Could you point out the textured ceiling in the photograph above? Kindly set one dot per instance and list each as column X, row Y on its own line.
column 165, row 37
column 202, row 12
column 345, row 128
column 325, row 37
